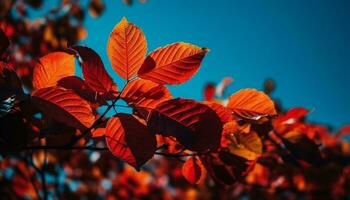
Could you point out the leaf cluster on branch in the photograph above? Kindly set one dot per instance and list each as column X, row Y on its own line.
column 242, row 140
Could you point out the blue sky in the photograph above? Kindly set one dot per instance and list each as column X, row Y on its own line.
column 303, row 45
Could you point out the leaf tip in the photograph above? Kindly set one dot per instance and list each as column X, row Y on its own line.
column 205, row 49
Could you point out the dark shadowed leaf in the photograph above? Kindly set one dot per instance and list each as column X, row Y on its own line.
column 302, row 147
column 193, row 124
column 224, row 113
column 130, row 140
column 94, row 72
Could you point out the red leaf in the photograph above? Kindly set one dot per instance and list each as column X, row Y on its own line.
column 292, row 116
column 193, row 170
column 209, row 92
column 51, row 68
column 64, row 106
column 194, row 125
column 145, row 94
column 302, row 148
column 226, row 168
column 224, row 113
column 126, row 48
column 251, row 104
column 130, row 140
column 80, row 87
column 94, row 72
column 172, row 64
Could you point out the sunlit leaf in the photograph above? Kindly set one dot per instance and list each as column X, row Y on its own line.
column 126, row 48
column 193, row 170
column 193, row 124
column 51, row 68
column 251, row 104
column 64, row 106
column 145, row 94
column 172, row 64
column 130, row 140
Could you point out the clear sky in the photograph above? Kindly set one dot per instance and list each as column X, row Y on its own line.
column 303, row 45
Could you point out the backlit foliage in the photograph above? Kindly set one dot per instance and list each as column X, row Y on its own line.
column 56, row 142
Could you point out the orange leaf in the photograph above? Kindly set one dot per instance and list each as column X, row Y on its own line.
column 64, row 106
column 145, row 94
column 51, row 68
column 251, row 104
column 126, row 49
column 130, row 140
column 94, row 72
column 193, row 170
column 172, row 64
column 194, row 125
column 98, row 132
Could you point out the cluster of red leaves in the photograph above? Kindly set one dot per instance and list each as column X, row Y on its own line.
column 241, row 140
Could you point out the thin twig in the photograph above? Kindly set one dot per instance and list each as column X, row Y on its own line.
column 76, row 139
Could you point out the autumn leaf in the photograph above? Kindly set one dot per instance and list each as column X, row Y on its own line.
column 226, row 168
column 51, row 68
column 193, row 124
column 224, row 113
column 251, row 104
column 80, row 87
column 130, row 140
column 343, row 131
column 98, row 132
column 193, row 170
column 302, row 147
column 64, row 106
column 145, row 94
column 292, row 116
column 126, row 48
column 94, row 72
column 172, row 64
column 209, row 92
